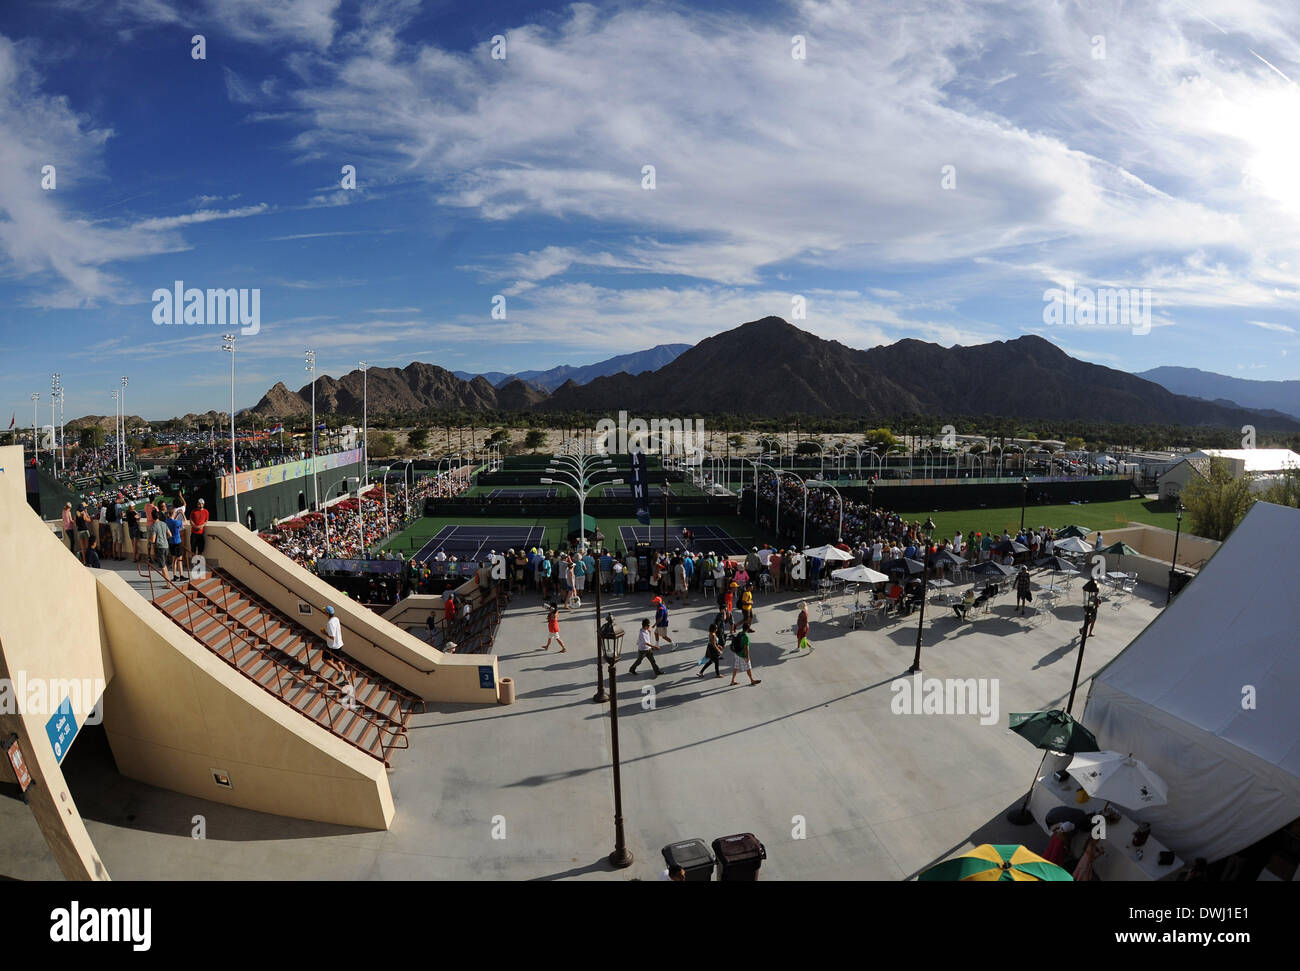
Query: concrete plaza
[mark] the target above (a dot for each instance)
(813, 760)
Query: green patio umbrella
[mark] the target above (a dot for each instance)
(1052, 731)
(1000, 862)
(1065, 532)
(1119, 549)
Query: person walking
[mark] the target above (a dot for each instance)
(332, 632)
(645, 648)
(161, 537)
(729, 605)
(740, 649)
(1023, 596)
(661, 620)
(679, 577)
(553, 628)
(712, 653)
(801, 628)
(747, 608)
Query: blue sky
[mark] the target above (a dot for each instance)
(1153, 146)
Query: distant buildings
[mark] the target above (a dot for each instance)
(1263, 465)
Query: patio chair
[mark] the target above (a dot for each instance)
(826, 611)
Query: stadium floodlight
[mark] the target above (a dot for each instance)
(315, 479)
(228, 345)
(36, 441)
(365, 441)
(122, 403)
(548, 481)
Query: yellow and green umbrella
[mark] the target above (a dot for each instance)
(996, 862)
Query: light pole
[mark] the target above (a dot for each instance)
(36, 441)
(122, 401)
(228, 345)
(117, 433)
(820, 484)
(365, 440)
(406, 486)
(611, 648)
(54, 400)
(920, 626)
(315, 479)
(1173, 564)
(1024, 498)
(871, 493)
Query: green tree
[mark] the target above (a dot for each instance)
(418, 439)
(500, 437)
(881, 438)
(1216, 505)
(1074, 443)
(535, 439)
(735, 441)
(1286, 491)
(385, 444)
(92, 436)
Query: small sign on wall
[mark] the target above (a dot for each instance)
(21, 773)
(304, 608)
(486, 679)
(62, 729)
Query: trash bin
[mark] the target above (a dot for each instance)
(739, 856)
(506, 691)
(693, 856)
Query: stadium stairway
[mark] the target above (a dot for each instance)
(286, 660)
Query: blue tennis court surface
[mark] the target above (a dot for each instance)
(475, 542)
(625, 492)
(523, 492)
(708, 539)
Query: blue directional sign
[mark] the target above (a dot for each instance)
(485, 678)
(62, 729)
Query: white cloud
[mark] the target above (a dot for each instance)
(202, 216)
(1266, 325)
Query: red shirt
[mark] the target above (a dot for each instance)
(198, 519)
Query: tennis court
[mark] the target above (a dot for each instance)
(708, 538)
(625, 492)
(522, 492)
(474, 542)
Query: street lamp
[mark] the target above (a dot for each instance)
(611, 645)
(920, 625)
(228, 345)
(820, 484)
(1024, 498)
(1173, 564)
(55, 392)
(36, 440)
(871, 493)
(117, 433)
(315, 479)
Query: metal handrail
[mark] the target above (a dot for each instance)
(372, 643)
(280, 670)
(351, 670)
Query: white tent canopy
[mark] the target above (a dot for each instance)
(859, 574)
(1206, 695)
(827, 553)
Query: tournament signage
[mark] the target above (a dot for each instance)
(62, 729)
(259, 478)
(639, 495)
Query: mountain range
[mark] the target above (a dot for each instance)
(770, 368)
(634, 363)
(1283, 396)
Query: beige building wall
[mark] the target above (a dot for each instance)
(50, 638)
(176, 713)
(367, 637)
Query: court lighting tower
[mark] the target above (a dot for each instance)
(228, 345)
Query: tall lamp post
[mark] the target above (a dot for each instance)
(122, 402)
(1024, 498)
(611, 643)
(310, 368)
(365, 440)
(871, 492)
(920, 625)
(55, 392)
(1173, 564)
(228, 345)
(117, 433)
(36, 439)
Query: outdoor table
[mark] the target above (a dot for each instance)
(940, 583)
(1120, 861)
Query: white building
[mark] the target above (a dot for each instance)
(1260, 463)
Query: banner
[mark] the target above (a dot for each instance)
(360, 566)
(258, 478)
(639, 494)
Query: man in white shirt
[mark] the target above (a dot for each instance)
(645, 648)
(956, 543)
(765, 554)
(333, 634)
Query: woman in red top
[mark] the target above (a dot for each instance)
(801, 627)
(729, 605)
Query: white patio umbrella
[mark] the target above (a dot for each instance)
(859, 574)
(1120, 779)
(1072, 544)
(827, 553)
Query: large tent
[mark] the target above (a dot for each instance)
(1206, 695)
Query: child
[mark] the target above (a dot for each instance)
(661, 620)
(553, 627)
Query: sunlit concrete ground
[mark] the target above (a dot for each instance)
(815, 747)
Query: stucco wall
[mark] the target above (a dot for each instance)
(175, 712)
